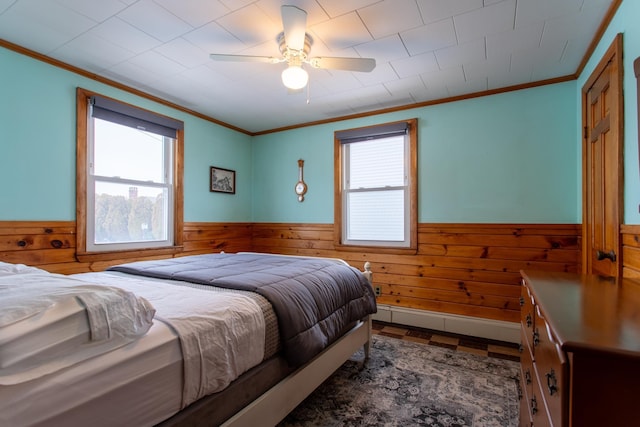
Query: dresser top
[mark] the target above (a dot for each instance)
(588, 312)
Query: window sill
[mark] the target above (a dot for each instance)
(128, 255)
(376, 249)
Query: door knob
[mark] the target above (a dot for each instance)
(600, 255)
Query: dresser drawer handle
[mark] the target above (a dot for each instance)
(534, 405)
(552, 382)
(521, 301)
(527, 377)
(521, 348)
(536, 338)
(520, 394)
(600, 255)
(529, 320)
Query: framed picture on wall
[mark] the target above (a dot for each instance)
(222, 180)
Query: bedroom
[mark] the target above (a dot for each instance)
(492, 177)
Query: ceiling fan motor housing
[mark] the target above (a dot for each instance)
(293, 56)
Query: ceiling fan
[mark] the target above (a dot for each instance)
(295, 44)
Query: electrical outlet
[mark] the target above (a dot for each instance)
(378, 291)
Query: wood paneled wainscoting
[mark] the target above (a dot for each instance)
(51, 245)
(463, 270)
(460, 271)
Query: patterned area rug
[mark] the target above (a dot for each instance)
(406, 384)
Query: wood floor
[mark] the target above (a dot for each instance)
(481, 346)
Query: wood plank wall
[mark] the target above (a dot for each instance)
(51, 244)
(468, 269)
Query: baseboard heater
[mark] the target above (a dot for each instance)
(465, 325)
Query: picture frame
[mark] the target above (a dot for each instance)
(222, 180)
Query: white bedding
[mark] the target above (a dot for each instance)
(32, 299)
(139, 384)
(221, 334)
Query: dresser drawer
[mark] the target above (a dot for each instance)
(526, 314)
(526, 365)
(551, 368)
(539, 415)
(525, 415)
(526, 381)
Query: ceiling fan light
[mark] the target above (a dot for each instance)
(294, 77)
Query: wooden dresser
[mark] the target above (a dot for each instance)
(580, 355)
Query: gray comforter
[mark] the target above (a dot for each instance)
(315, 299)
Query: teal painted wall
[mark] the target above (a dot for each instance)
(510, 157)
(625, 22)
(37, 147)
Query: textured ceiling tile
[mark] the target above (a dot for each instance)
(251, 25)
(194, 12)
(475, 86)
(95, 10)
(154, 20)
(461, 54)
(342, 32)
(157, 64)
(415, 65)
(406, 86)
(382, 73)
(273, 8)
(513, 40)
(42, 26)
(119, 32)
(481, 69)
(436, 10)
(213, 38)
(340, 7)
(449, 77)
(430, 37)
(390, 16)
(96, 52)
(532, 12)
(383, 50)
(488, 20)
(183, 52)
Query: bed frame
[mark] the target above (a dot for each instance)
(277, 402)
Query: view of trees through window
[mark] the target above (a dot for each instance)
(122, 219)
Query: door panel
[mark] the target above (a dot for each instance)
(602, 166)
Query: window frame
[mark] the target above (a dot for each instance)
(340, 222)
(82, 152)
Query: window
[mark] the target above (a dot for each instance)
(129, 177)
(376, 178)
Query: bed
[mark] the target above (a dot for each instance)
(216, 339)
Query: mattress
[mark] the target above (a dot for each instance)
(61, 328)
(139, 384)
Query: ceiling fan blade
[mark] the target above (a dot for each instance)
(294, 22)
(349, 64)
(244, 58)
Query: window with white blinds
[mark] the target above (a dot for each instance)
(376, 186)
